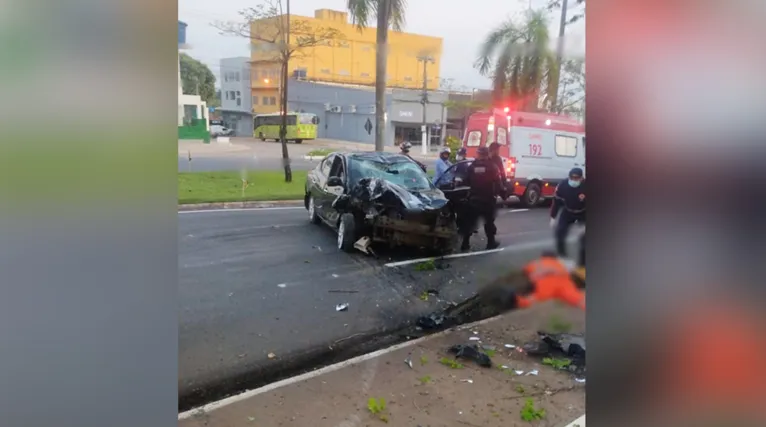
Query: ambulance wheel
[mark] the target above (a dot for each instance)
(531, 196)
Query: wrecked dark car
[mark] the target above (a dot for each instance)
(379, 197)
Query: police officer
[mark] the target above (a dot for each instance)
(568, 208)
(485, 184)
(405, 147)
(494, 155)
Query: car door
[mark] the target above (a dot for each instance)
(451, 182)
(317, 180)
(329, 194)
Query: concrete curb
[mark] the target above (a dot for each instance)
(313, 158)
(240, 205)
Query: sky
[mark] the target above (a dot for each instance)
(462, 28)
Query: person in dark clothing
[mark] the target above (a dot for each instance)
(568, 208)
(494, 155)
(405, 147)
(485, 184)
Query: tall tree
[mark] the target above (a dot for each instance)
(571, 99)
(197, 79)
(389, 14)
(278, 38)
(516, 55)
(569, 15)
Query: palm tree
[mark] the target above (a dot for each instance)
(389, 13)
(517, 56)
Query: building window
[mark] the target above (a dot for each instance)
(236, 76)
(273, 100)
(325, 71)
(239, 102)
(365, 74)
(265, 73)
(265, 100)
(232, 95)
(255, 100)
(273, 73)
(239, 94)
(344, 73)
(566, 146)
(226, 95)
(408, 79)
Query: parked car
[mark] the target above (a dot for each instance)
(383, 196)
(220, 130)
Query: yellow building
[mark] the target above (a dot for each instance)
(349, 59)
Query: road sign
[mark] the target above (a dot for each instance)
(368, 126)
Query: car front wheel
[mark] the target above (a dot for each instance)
(347, 232)
(313, 216)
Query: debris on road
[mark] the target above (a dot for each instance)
(472, 352)
(552, 346)
(474, 339)
(364, 245)
(510, 346)
(282, 285)
(469, 381)
(408, 361)
(272, 355)
(335, 276)
(342, 307)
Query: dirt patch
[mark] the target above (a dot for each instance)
(430, 393)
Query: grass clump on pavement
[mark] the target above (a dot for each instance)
(529, 413)
(319, 152)
(212, 187)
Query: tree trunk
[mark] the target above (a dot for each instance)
(283, 101)
(381, 55)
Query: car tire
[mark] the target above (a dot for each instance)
(299, 141)
(531, 196)
(347, 232)
(262, 138)
(313, 216)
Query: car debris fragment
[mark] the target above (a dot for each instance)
(472, 352)
(342, 307)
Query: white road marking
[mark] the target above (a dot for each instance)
(517, 210)
(280, 208)
(538, 244)
(417, 260)
(313, 374)
(580, 422)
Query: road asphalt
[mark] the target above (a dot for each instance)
(257, 155)
(259, 287)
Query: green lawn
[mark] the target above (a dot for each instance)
(208, 187)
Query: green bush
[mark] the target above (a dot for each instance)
(454, 144)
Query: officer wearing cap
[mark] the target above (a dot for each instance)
(485, 182)
(568, 208)
(442, 163)
(405, 147)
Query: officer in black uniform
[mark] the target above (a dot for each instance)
(494, 155)
(485, 182)
(568, 208)
(405, 147)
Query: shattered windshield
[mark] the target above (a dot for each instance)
(404, 173)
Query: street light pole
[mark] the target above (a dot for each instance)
(424, 101)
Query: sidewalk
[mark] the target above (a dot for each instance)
(360, 146)
(428, 394)
(199, 148)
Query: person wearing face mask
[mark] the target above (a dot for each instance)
(568, 208)
(442, 163)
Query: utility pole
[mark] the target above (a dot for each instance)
(424, 101)
(560, 53)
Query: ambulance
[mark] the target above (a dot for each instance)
(538, 149)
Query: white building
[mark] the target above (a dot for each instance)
(236, 102)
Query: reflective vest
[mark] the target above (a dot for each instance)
(551, 279)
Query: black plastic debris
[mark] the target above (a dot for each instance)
(472, 352)
(433, 321)
(570, 346)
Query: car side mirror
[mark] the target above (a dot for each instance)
(334, 181)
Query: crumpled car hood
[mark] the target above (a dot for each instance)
(371, 192)
(387, 193)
